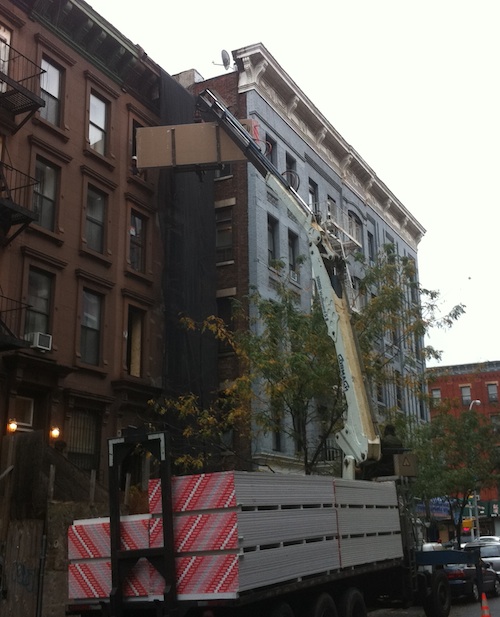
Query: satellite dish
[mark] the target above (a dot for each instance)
(226, 59)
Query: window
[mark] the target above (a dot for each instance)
(355, 228)
(45, 193)
(95, 218)
(495, 422)
(137, 242)
(23, 413)
(272, 240)
(5, 36)
(90, 336)
(435, 397)
(371, 247)
(39, 302)
(271, 150)
(50, 84)
(291, 174)
(465, 395)
(492, 392)
(98, 123)
(134, 341)
(224, 234)
(313, 196)
(293, 242)
(83, 439)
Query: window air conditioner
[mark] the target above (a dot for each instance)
(40, 340)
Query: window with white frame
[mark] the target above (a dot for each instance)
(98, 123)
(355, 228)
(465, 395)
(23, 413)
(492, 392)
(435, 396)
(50, 90)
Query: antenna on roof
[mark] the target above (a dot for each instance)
(226, 60)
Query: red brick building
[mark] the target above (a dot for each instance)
(461, 386)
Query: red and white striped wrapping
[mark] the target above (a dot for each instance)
(90, 538)
(92, 579)
(199, 492)
(201, 577)
(213, 531)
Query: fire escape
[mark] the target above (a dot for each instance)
(19, 100)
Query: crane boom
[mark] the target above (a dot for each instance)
(359, 438)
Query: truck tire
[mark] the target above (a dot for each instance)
(438, 602)
(323, 606)
(352, 604)
(283, 609)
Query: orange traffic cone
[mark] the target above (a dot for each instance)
(485, 610)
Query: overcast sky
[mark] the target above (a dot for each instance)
(412, 86)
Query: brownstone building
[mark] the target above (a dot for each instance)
(97, 260)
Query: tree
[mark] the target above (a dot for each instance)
(396, 308)
(456, 456)
(289, 382)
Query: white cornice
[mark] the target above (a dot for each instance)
(258, 70)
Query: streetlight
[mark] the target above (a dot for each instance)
(477, 533)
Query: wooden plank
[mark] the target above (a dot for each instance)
(21, 570)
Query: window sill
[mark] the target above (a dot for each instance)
(106, 261)
(90, 368)
(140, 276)
(229, 262)
(141, 182)
(103, 160)
(51, 128)
(51, 236)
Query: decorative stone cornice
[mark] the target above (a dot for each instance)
(258, 70)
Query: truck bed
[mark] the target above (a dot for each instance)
(235, 532)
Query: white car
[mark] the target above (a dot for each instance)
(489, 539)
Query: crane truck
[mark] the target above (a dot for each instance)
(256, 543)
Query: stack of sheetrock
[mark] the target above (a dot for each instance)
(236, 531)
(369, 525)
(89, 573)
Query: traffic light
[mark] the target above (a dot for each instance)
(467, 524)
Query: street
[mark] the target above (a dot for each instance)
(459, 608)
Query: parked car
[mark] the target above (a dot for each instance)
(464, 584)
(489, 539)
(489, 551)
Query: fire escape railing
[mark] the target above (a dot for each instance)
(19, 83)
(16, 202)
(12, 315)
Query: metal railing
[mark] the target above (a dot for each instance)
(12, 315)
(16, 187)
(15, 67)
